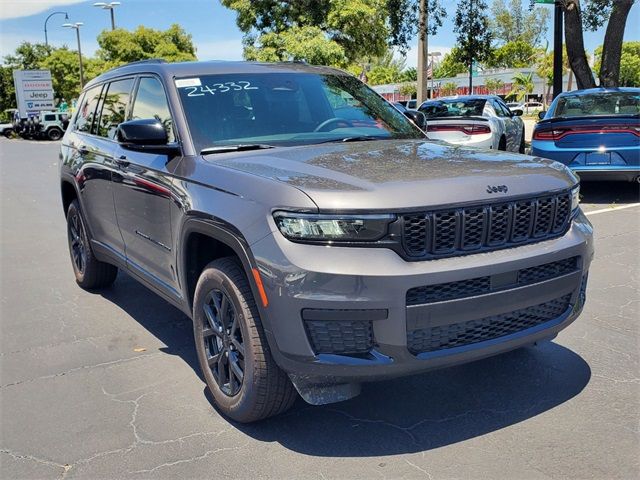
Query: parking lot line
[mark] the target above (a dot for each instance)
(611, 209)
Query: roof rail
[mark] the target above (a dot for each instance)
(149, 60)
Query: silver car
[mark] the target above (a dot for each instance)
(482, 121)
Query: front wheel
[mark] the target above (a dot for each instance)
(234, 356)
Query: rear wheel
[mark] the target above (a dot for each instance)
(90, 273)
(521, 150)
(54, 134)
(240, 372)
(502, 144)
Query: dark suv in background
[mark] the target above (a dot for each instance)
(314, 235)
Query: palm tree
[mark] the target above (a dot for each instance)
(449, 88)
(522, 86)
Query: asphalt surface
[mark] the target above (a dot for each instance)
(106, 385)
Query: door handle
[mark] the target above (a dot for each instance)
(122, 161)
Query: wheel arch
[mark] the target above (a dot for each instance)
(204, 240)
(68, 193)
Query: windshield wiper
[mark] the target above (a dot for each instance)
(358, 138)
(235, 148)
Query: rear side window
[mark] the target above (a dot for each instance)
(49, 118)
(114, 107)
(87, 111)
(151, 102)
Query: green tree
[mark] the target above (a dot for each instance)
(404, 20)
(449, 88)
(522, 86)
(65, 72)
(515, 54)
(298, 43)
(471, 25)
(122, 46)
(629, 64)
(511, 21)
(493, 85)
(450, 65)
(7, 92)
(351, 29)
(409, 75)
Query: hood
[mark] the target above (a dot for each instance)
(398, 174)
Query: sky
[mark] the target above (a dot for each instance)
(212, 26)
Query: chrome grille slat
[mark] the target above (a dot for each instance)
(459, 231)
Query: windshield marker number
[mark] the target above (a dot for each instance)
(201, 91)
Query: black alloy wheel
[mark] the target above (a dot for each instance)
(76, 242)
(223, 342)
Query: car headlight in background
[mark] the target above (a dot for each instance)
(332, 228)
(575, 199)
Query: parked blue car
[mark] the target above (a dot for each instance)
(595, 132)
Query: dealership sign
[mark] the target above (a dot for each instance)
(34, 90)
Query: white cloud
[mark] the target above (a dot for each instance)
(412, 54)
(220, 50)
(25, 8)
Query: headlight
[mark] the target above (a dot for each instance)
(575, 199)
(332, 228)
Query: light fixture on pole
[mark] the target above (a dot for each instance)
(77, 26)
(109, 6)
(46, 38)
(432, 68)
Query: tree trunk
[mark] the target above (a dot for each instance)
(575, 45)
(612, 48)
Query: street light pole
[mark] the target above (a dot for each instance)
(77, 26)
(109, 6)
(46, 38)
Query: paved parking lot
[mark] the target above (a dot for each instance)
(106, 385)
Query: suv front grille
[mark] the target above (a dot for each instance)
(457, 231)
(482, 285)
(487, 328)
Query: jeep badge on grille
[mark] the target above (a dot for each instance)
(497, 188)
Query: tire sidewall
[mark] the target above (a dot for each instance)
(242, 403)
(74, 210)
(56, 132)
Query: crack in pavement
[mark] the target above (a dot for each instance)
(20, 456)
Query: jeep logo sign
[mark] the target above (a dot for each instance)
(497, 189)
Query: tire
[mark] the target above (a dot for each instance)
(521, 149)
(90, 273)
(502, 144)
(8, 132)
(240, 345)
(54, 134)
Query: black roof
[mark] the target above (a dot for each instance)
(190, 69)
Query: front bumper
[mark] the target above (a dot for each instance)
(374, 281)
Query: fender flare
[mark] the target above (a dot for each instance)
(224, 233)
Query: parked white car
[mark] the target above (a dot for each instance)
(482, 121)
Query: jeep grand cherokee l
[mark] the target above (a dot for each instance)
(315, 236)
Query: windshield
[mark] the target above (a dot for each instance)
(602, 103)
(453, 108)
(286, 109)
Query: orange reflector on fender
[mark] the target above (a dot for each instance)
(263, 295)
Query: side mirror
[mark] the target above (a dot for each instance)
(542, 114)
(417, 117)
(145, 135)
(517, 112)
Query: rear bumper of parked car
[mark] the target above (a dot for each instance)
(484, 140)
(321, 298)
(625, 164)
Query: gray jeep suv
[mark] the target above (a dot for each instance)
(315, 236)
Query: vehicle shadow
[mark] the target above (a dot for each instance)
(404, 415)
(609, 193)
